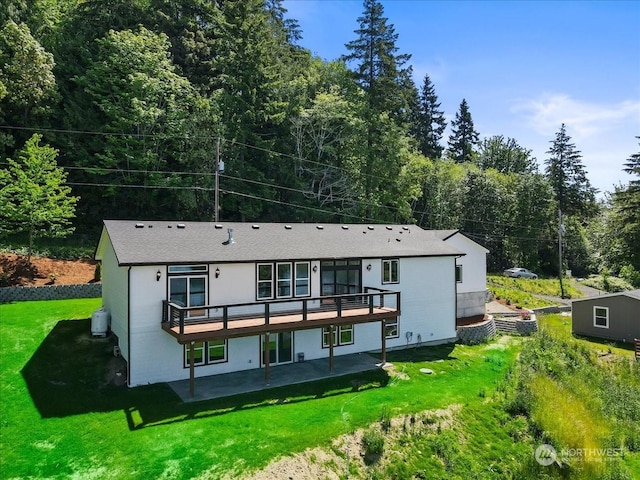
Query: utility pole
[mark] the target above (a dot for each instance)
(217, 189)
(560, 231)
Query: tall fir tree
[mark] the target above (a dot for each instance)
(379, 71)
(568, 177)
(378, 67)
(430, 122)
(626, 202)
(463, 136)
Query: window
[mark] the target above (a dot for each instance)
(302, 279)
(458, 273)
(342, 335)
(391, 329)
(601, 317)
(206, 353)
(284, 279)
(188, 290)
(265, 280)
(291, 279)
(390, 271)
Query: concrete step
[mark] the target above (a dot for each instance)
(506, 326)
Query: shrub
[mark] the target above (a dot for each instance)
(373, 442)
(97, 274)
(612, 284)
(631, 275)
(385, 418)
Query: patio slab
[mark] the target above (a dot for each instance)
(228, 384)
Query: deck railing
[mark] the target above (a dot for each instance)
(300, 308)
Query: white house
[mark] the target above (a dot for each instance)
(195, 299)
(471, 274)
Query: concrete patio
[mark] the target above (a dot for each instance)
(228, 384)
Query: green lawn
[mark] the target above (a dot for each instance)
(60, 419)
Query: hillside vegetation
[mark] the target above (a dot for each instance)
(138, 101)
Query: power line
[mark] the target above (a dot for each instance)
(230, 192)
(431, 215)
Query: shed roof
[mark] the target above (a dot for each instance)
(635, 294)
(163, 242)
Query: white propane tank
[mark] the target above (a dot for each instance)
(100, 323)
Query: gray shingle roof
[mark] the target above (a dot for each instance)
(162, 242)
(627, 293)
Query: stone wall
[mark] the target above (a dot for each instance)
(527, 327)
(50, 292)
(476, 333)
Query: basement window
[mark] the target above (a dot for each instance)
(206, 353)
(342, 335)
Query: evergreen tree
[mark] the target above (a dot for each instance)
(463, 136)
(626, 203)
(568, 177)
(430, 122)
(379, 71)
(33, 195)
(378, 68)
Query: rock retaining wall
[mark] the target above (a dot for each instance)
(476, 333)
(50, 292)
(527, 327)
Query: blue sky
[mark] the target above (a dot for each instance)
(524, 67)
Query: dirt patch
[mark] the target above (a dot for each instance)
(15, 271)
(346, 456)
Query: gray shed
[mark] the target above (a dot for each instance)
(614, 316)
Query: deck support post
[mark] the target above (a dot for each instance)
(330, 348)
(383, 335)
(192, 367)
(266, 346)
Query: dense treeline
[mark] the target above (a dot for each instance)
(139, 96)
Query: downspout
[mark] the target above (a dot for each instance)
(129, 327)
(455, 285)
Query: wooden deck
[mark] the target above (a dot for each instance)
(243, 327)
(382, 305)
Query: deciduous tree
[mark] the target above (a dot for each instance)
(28, 82)
(505, 156)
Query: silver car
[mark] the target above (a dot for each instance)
(519, 273)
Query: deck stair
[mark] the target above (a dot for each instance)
(637, 350)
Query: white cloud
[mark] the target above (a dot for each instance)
(584, 120)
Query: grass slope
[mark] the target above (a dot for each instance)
(60, 419)
(529, 293)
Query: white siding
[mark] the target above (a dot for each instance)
(428, 312)
(115, 296)
(472, 291)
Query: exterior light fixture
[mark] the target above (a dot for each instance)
(217, 272)
(158, 275)
(369, 267)
(315, 268)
